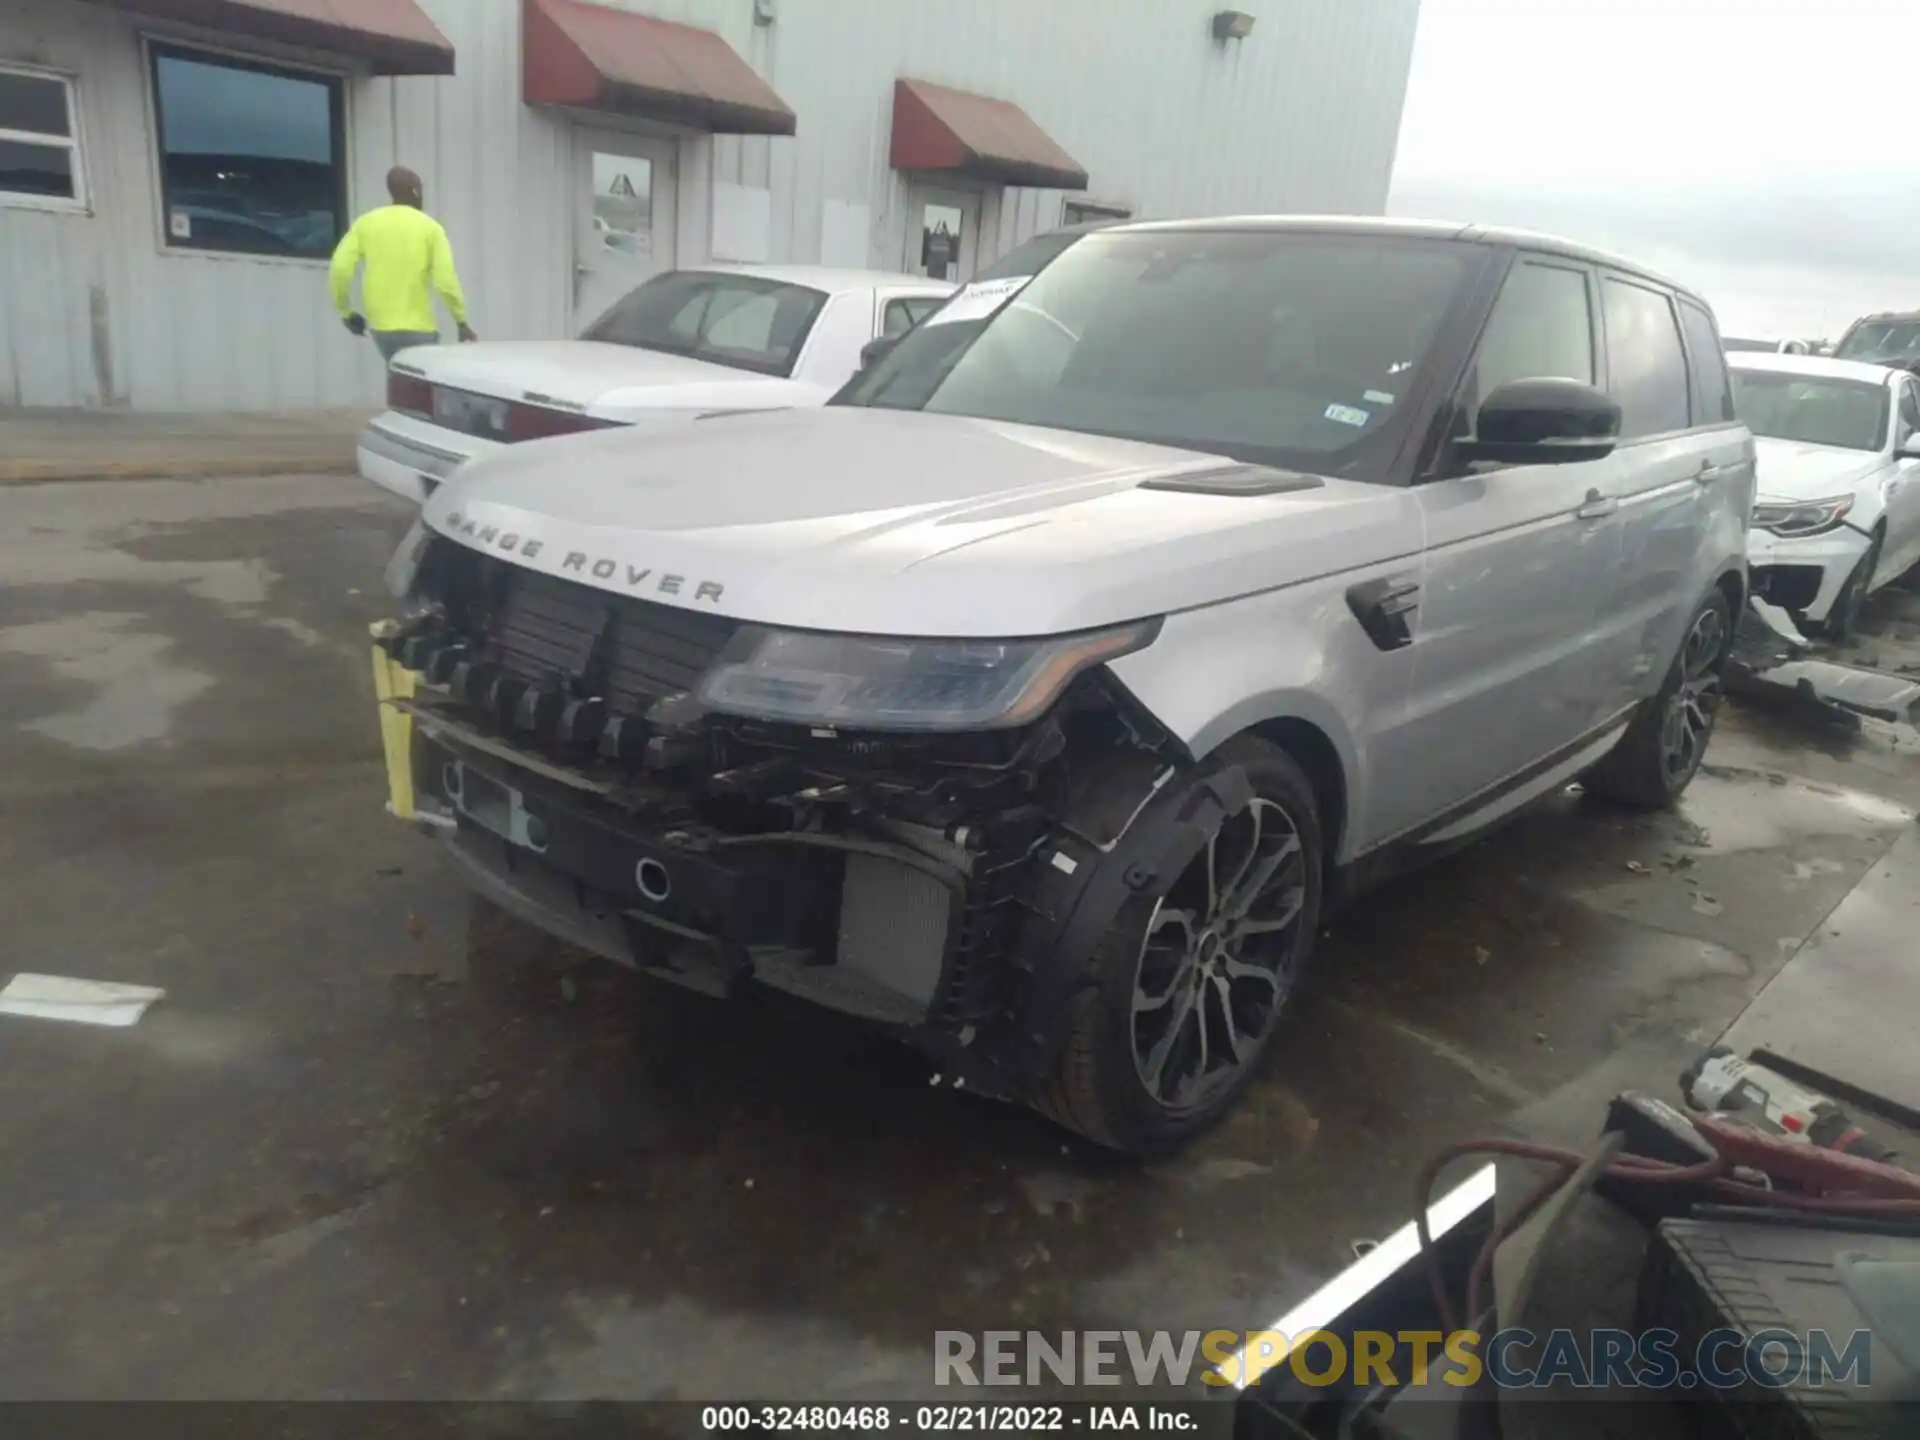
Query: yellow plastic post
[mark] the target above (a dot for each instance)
(392, 681)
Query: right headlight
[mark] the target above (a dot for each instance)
(1792, 522)
(876, 682)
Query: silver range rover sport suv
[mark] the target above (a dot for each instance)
(1036, 698)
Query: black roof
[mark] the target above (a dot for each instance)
(1412, 230)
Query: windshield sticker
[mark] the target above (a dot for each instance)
(977, 301)
(1347, 414)
(1377, 397)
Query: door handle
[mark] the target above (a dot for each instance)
(1708, 472)
(1597, 506)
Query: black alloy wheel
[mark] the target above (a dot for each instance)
(1688, 720)
(1187, 987)
(1217, 959)
(1660, 751)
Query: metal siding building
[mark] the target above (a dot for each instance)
(99, 306)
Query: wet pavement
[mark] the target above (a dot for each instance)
(358, 1152)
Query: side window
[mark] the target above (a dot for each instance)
(253, 157)
(900, 316)
(1541, 326)
(1646, 367)
(1909, 413)
(39, 151)
(1712, 391)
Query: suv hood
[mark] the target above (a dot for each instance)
(610, 381)
(1794, 470)
(902, 523)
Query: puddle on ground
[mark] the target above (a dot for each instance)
(1753, 810)
(678, 1349)
(136, 688)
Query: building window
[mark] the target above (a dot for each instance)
(1092, 212)
(39, 141)
(252, 157)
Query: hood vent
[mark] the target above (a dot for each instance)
(1242, 480)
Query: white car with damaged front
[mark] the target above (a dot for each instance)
(1837, 514)
(685, 343)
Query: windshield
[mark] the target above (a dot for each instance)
(738, 320)
(1814, 410)
(1880, 340)
(1031, 256)
(1277, 348)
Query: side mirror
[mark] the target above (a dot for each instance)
(1543, 422)
(876, 350)
(1909, 448)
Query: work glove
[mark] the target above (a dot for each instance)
(467, 337)
(356, 323)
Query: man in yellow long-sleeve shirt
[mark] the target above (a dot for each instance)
(407, 259)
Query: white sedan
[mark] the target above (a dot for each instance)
(684, 344)
(1837, 445)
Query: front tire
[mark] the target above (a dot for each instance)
(1190, 980)
(1844, 618)
(1662, 749)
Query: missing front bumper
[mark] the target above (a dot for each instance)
(857, 924)
(847, 874)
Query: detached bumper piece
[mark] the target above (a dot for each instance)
(1772, 661)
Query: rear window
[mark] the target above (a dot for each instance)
(1880, 340)
(1812, 409)
(1646, 366)
(738, 320)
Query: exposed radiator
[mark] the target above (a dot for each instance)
(633, 652)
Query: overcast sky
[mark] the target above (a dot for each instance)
(1766, 152)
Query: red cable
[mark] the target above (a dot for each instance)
(1638, 1169)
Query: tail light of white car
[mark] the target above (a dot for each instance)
(1793, 522)
(538, 422)
(487, 416)
(409, 394)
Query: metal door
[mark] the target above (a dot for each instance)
(1506, 616)
(1503, 664)
(623, 217)
(943, 232)
(1677, 470)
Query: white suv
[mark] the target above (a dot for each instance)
(1037, 696)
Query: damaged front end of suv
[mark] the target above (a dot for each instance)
(935, 836)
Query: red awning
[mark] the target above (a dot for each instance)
(957, 132)
(394, 35)
(595, 58)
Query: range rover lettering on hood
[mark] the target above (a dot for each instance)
(637, 578)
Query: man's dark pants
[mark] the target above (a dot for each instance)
(392, 342)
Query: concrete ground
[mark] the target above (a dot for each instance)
(345, 1158)
(39, 445)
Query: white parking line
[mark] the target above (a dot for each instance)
(1331, 1300)
(82, 1002)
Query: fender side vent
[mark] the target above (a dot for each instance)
(1242, 480)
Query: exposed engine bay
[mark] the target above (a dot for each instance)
(950, 885)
